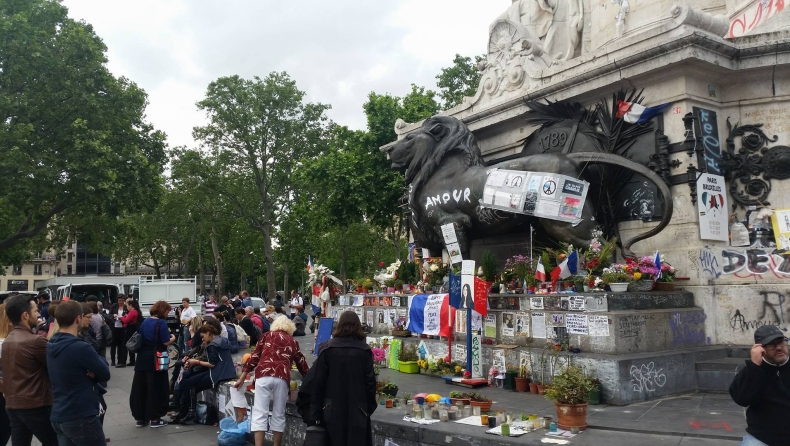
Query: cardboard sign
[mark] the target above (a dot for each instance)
(324, 334)
(713, 208)
(477, 361)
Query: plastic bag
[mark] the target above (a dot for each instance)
(232, 433)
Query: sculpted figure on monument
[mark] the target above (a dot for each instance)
(556, 24)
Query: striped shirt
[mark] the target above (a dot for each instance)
(210, 307)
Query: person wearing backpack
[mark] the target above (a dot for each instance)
(233, 339)
(249, 327)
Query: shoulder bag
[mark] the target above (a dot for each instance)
(106, 333)
(135, 342)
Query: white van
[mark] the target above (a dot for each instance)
(107, 293)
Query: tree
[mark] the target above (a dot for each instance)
(259, 129)
(74, 142)
(459, 81)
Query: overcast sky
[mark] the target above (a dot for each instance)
(337, 51)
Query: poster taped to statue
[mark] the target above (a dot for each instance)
(540, 194)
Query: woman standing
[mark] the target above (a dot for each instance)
(130, 322)
(218, 367)
(96, 323)
(5, 423)
(150, 389)
(344, 395)
(271, 361)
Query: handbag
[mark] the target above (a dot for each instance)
(135, 342)
(162, 358)
(106, 333)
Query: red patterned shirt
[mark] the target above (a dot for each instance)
(273, 356)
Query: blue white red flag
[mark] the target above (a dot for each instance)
(658, 264)
(430, 314)
(540, 271)
(566, 268)
(635, 113)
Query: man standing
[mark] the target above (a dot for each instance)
(75, 370)
(26, 385)
(764, 387)
(186, 314)
(43, 305)
(249, 327)
(210, 305)
(296, 302)
(118, 345)
(245, 299)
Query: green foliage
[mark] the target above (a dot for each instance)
(76, 151)
(570, 386)
(408, 353)
(488, 263)
(407, 272)
(459, 80)
(616, 277)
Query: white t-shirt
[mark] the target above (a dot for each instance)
(295, 301)
(118, 322)
(188, 314)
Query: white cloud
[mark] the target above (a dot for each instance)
(337, 51)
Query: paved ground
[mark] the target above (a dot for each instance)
(690, 420)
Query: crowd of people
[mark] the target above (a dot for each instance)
(54, 367)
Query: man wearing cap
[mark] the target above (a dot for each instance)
(764, 387)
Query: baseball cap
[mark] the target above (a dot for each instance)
(767, 334)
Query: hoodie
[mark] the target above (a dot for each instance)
(218, 353)
(765, 390)
(74, 394)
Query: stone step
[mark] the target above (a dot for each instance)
(743, 352)
(716, 375)
(721, 364)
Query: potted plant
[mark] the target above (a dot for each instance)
(542, 363)
(459, 397)
(521, 267)
(488, 265)
(511, 372)
(389, 389)
(595, 393)
(479, 400)
(569, 390)
(407, 360)
(617, 280)
(533, 385)
(406, 398)
(667, 280)
(522, 380)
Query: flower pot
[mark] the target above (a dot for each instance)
(541, 389)
(408, 367)
(510, 380)
(485, 406)
(533, 388)
(586, 288)
(665, 286)
(364, 290)
(390, 289)
(618, 287)
(392, 392)
(464, 401)
(594, 396)
(571, 415)
(640, 285)
(522, 384)
(388, 404)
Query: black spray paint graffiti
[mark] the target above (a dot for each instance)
(771, 313)
(688, 328)
(750, 262)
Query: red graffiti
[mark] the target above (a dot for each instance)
(721, 425)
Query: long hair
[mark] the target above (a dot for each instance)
(5, 324)
(349, 326)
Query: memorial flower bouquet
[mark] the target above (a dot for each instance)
(642, 269)
(597, 255)
(436, 272)
(668, 272)
(617, 274)
(520, 266)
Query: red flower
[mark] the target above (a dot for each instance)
(381, 264)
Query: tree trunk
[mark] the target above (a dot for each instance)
(285, 278)
(271, 279)
(220, 284)
(157, 266)
(396, 238)
(201, 274)
(189, 251)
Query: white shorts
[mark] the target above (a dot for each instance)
(269, 388)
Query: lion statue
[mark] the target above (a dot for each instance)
(445, 173)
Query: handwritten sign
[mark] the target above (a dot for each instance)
(460, 353)
(468, 267)
(576, 323)
(448, 232)
(576, 303)
(490, 326)
(477, 352)
(433, 310)
(539, 325)
(598, 325)
(536, 303)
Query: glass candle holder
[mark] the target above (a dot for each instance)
(476, 411)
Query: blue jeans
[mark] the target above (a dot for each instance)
(80, 432)
(748, 440)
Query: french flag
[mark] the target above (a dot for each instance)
(566, 268)
(309, 264)
(540, 271)
(634, 113)
(657, 261)
(430, 314)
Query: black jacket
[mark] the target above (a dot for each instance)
(344, 394)
(765, 390)
(248, 326)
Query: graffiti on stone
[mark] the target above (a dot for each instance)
(688, 328)
(646, 378)
(771, 311)
(756, 261)
(709, 264)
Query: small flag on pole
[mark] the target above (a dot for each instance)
(540, 271)
(566, 268)
(658, 264)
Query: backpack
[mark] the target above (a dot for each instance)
(206, 413)
(232, 338)
(258, 331)
(241, 335)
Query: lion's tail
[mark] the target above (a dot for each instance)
(619, 161)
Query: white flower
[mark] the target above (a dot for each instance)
(434, 267)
